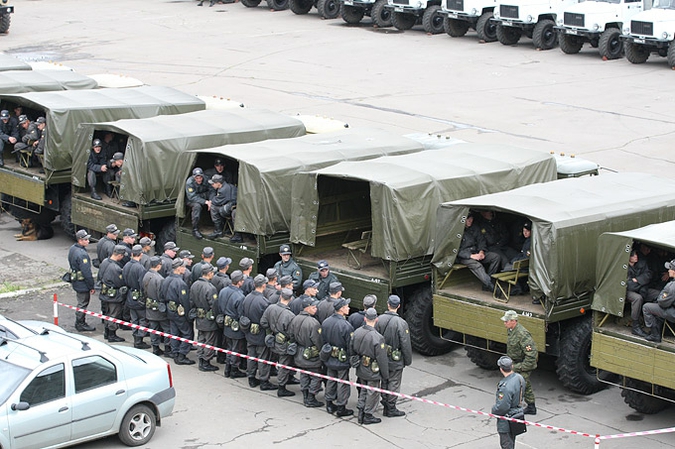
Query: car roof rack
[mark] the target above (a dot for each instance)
(85, 345)
(43, 355)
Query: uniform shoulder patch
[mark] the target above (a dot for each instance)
(85, 260)
(500, 395)
(528, 348)
(319, 330)
(183, 292)
(215, 296)
(407, 331)
(297, 272)
(382, 346)
(190, 189)
(120, 276)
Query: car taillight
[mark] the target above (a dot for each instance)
(168, 369)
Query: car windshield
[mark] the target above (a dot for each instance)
(664, 4)
(11, 375)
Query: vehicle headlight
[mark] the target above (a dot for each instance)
(595, 27)
(664, 35)
(529, 19)
(419, 4)
(495, 14)
(559, 22)
(474, 12)
(626, 29)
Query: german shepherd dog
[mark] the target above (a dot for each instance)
(31, 231)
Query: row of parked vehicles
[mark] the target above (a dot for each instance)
(636, 28)
(386, 210)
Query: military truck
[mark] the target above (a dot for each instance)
(155, 150)
(5, 18)
(28, 193)
(651, 32)
(20, 81)
(645, 368)
(328, 9)
(9, 62)
(264, 173)
(353, 11)
(567, 217)
(598, 22)
(276, 5)
(461, 15)
(406, 13)
(533, 18)
(373, 221)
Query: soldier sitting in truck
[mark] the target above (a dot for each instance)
(9, 134)
(197, 194)
(97, 165)
(223, 203)
(496, 236)
(639, 276)
(219, 169)
(474, 254)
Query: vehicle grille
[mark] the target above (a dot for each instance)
(508, 11)
(455, 5)
(644, 28)
(402, 2)
(572, 19)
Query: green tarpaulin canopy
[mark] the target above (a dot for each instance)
(567, 217)
(19, 81)
(8, 62)
(65, 110)
(405, 191)
(155, 161)
(612, 264)
(267, 169)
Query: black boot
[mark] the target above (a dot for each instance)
(253, 382)
(106, 332)
(655, 334)
(181, 359)
(157, 351)
(237, 238)
(531, 409)
(330, 407)
(140, 344)
(637, 330)
(392, 412)
(227, 370)
(344, 411)
(168, 352)
(113, 338)
(218, 232)
(195, 232)
(370, 419)
(311, 401)
(95, 195)
(267, 386)
(304, 396)
(236, 373)
(360, 416)
(205, 365)
(283, 392)
(82, 326)
(200, 3)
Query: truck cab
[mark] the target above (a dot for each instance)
(651, 32)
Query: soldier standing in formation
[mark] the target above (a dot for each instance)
(112, 293)
(271, 289)
(288, 267)
(147, 244)
(252, 308)
(323, 277)
(306, 330)
(203, 296)
(221, 279)
(105, 245)
(81, 278)
(133, 274)
(174, 292)
(284, 282)
(521, 349)
(372, 366)
(337, 334)
(170, 251)
(246, 265)
(230, 301)
(207, 257)
(396, 335)
(326, 305)
(358, 319)
(509, 396)
(277, 318)
(155, 309)
(187, 257)
(309, 286)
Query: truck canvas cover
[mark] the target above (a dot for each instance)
(19, 81)
(8, 62)
(405, 191)
(65, 110)
(267, 169)
(567, 216)
(156, 146)
(612, 264)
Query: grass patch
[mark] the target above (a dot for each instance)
(6, 287)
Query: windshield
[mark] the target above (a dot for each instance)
(11, 376)
(609, 1)
(664, 4)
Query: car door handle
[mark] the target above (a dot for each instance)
(119, 392)
(63, 409)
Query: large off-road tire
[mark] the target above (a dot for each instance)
(544, 35)
(425, 337)
(300, 6)
(65, 210)
(610, 44)
(328, 9)
(671, 55)
(486, 28)
(166, 234)
(351, 14)
(573, 365)
(455, 27)
(250, 3)
(480, 357)
(570, 44)
(508, 35)
(636, 53)
(138, 426)
(642, 402)
(5, 21)
(432, 20)
(277, 5)
(381, 16)
(403, 21)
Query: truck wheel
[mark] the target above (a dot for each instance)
(65, 210)
(636, 53)
(480, 357)
(250, 3)
(544, 36)
(570, 44)
(508, 35)
(432, 20)
(138, 426)
(454, 27)
(381, 15)
(351, 14)
(300, 6)
(403, 21)
(328, 9)
(5, 20)
(642, 402)
(486, 28)
(166, 234)
(671, 54)
(424, 336)
(573, 365)
(277, 5)
(610, 45)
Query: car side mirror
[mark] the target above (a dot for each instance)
(21, 406)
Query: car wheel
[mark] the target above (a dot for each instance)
(381, 15)
(610, 44)
(570, 45)
(486, 28)
(138, 426)
(636, 53)
(455, 27)
(508, 35)
(403, 21)
(351, 14)
(544, 36)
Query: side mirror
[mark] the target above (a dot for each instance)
(21, 406)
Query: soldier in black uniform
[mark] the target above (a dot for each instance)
(246, 265)
(326, 305)
(203, 296)
(309, 286)
(187, 257)
(223, 202)
(396, 335)
(337, 334)
(496, 236)
(9, 133)
(81, 278)
(284, 282)
(288, 267)
(306, 331)
(147, 244)
(221, 279)
(128, 240)
(114, 171)
(170, 252)
(357, 319)
(174, 292)
(229, 305)
(277, 320)
(97, 164)
(113, 291)
(509, 396)
(133, 274)
(219, 169)
(253, 307)
(196, 198)
(155, 308)
(324, 277)
(207, 258)
(272, 287)
(369, 348)
(474, 254)
(105, 245)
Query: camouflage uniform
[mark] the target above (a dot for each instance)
(522, 350)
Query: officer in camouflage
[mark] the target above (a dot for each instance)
(521, 349)
(288, 267)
